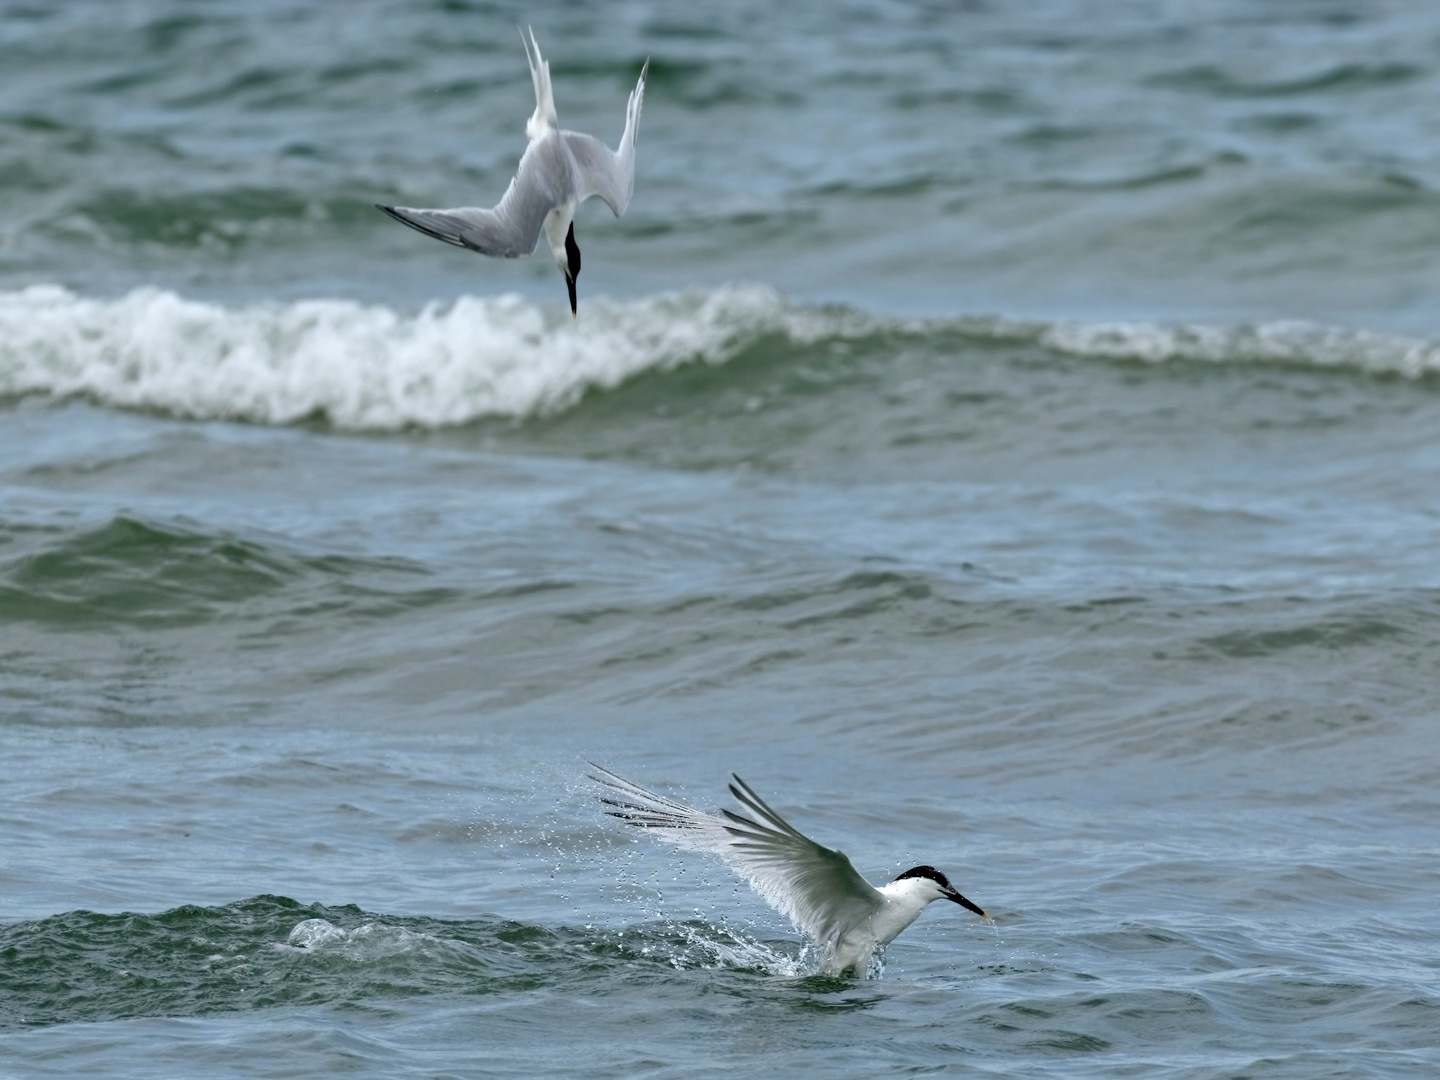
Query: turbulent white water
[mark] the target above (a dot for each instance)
(367, 366)
(372, 367)
(1282, 342)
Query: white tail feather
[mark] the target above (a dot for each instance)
(544, 115)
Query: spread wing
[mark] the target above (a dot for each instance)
(605, 172)
(816, 888)
(557, 168)
(512, 228)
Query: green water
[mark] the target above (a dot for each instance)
(1006, 437)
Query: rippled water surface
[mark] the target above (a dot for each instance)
(1004, 434)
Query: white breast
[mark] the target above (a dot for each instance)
(557, 224)
(904, 901)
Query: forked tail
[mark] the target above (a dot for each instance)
(544, 115)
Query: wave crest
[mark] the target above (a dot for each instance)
(365, 366)
(370, 367)
(1280, 342)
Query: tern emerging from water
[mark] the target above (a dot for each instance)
(816, 888)
(559, 171)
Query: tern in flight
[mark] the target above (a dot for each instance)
(815, 887)
(559, 171)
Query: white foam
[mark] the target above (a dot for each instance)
(1286, 342)
(313, 933)
(371, 367)
(370, 939)
(366, 366)
(722, 947)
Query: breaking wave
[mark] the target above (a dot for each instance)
(371, 367)
(366, 366)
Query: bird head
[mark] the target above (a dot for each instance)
(931, 884)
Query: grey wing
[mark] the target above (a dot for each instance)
(816, 888)
(683, 825)
(602, 172)
(512, 228)
(608, 173)
(468, 227)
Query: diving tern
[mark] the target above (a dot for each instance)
(816, 888)
(558, 172)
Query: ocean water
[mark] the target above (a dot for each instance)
(1007, 435)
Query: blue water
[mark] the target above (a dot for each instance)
(1006, 436)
